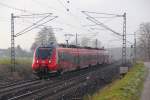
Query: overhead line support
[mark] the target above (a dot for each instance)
(13, 35)
(124, 40)
(99, 23)
(135, 47)
(123, 35)
(12, 44)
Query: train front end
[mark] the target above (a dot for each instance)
(44, 61)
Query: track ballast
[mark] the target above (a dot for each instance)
(72, 85)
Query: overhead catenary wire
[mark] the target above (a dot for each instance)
(104, 13)
(69, 13)
(63, 5)
(45, 5)
(34, 15)
(14, 8)
(13, 35)
(47, 26)
(97, 22)
(103, 25)
(35, 26)
(92, 19)
(106, 21)
(106, 17)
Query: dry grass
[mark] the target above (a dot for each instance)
(23, 68)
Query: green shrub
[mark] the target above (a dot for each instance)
(128, 88)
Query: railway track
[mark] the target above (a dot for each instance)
(55, 88)
(18, 91)
(41, 89)
(12, 91)
(78, 89)
(38, 94)
(13, 83)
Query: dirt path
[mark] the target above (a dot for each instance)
(146, 90)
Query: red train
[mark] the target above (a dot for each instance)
(53, 59)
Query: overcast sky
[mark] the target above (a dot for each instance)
(72, 21)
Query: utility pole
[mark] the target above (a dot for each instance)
(33, 26)
(67, 38)
(131, 53)
(123, 35)
(67, 43)
(12, 44)
(148, 47)
(96, 43)
(76, 39)
(124, 40)
(135, 47)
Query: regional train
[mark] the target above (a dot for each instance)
(60, 59)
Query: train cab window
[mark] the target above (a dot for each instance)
(43, 53)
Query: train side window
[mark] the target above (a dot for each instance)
(62, 55)
(59, 56)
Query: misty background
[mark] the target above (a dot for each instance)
(71, 21)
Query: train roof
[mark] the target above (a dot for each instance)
(69, 46)
(74, 46)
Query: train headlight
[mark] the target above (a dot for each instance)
(37, 61)
(49, 61)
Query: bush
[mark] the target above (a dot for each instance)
(128, 88)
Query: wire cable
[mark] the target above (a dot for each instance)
(103, 25)
(70, 14)
(35, 27)
(104, 13)
(33, 24)
(33, 15)
(63, 5)
(14, 8)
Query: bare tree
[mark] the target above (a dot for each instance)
(144, 40)
(95, 43)
(45, 37)
(85, 41)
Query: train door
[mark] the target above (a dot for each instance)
(63, 60)
(78, 59)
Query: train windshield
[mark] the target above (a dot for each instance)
(43, 53)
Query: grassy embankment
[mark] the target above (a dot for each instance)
(23, 68)
(128, 88)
